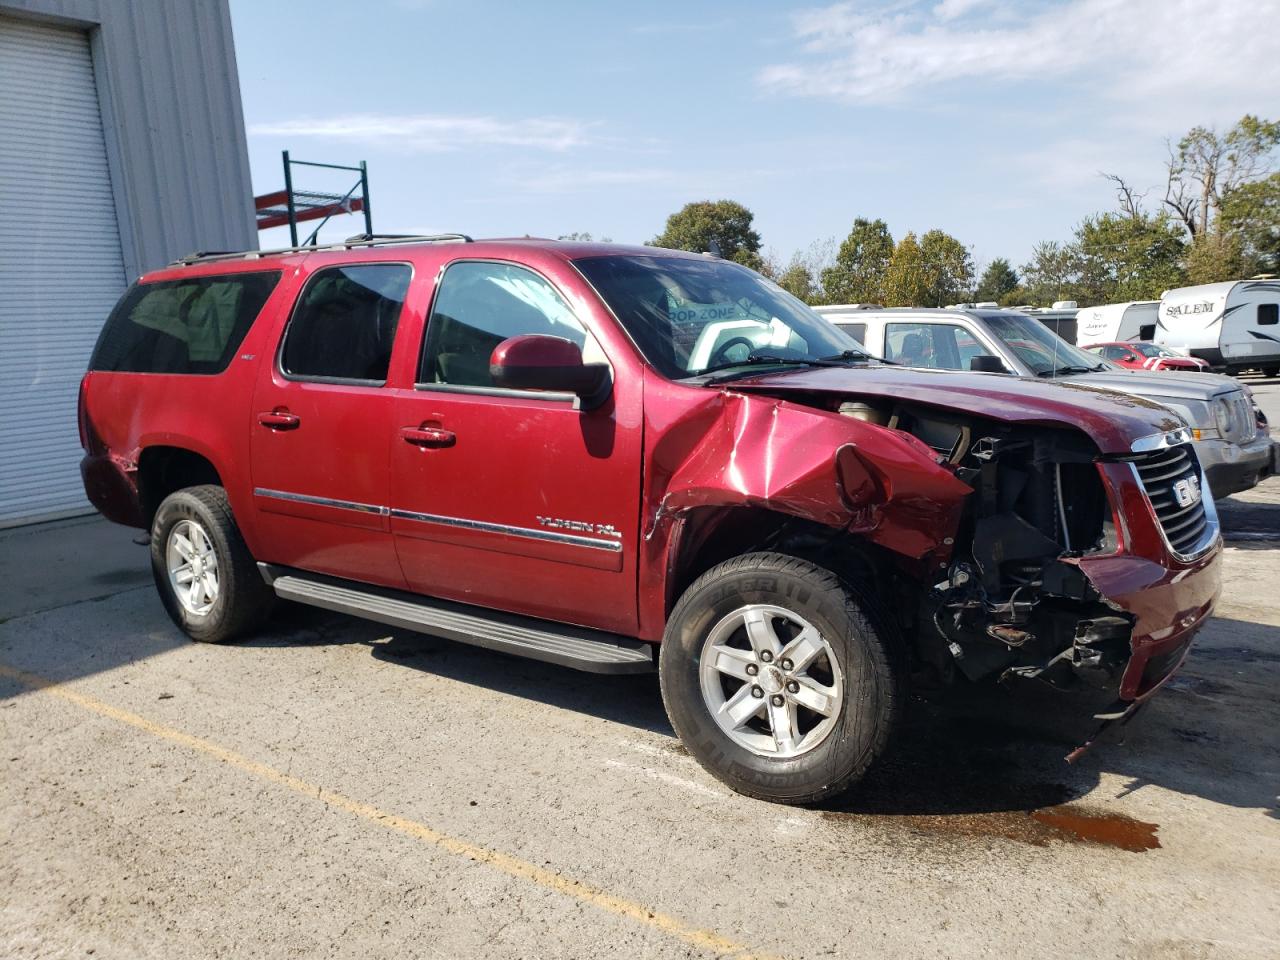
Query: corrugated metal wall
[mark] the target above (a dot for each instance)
(170, 98)
(60, 264)
(87, 205)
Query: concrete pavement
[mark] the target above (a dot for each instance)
(335, 788)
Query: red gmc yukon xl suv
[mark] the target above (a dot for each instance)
(616, 458)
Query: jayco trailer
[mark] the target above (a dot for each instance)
(1113, 322)
(1233, 325)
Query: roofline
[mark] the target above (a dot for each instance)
(360, 240)
(569, 250)
(853, 311)
(1223, 286)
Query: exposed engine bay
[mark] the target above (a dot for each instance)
(1010, 602)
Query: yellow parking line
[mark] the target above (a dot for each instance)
(512, 866)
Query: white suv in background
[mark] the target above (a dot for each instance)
(1234, 442)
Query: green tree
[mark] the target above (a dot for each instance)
(1016, 297)
(1216, 256)
(857, 276)
(725, 222)
(1223, 190)
(906, 279)
(1251, 214)
(948, 268)
(1052, 273)
(1206, 167)
(1134, 257)
(1112, 257)
(798, 281)
(997, 280)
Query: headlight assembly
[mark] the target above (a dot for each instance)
(1222, 416)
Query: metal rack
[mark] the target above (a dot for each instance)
(293, 206)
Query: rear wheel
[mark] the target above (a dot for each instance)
(1271, 372)
(207, 579)
(777, 681)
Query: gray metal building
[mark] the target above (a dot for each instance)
(122, 146)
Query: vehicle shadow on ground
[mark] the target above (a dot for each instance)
(630, 700)
(988, 750)
(1246, 521)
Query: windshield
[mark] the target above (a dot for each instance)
(689, 316)
(1151, 350)
(1039, 347)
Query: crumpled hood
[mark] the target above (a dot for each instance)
(1112, 419)
(1156, 383)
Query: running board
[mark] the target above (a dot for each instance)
(576, 647)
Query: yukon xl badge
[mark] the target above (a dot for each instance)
(1187, 491)
(581, 526)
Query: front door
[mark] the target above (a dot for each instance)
(514, 499)
(322, 424)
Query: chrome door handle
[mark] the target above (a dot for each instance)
(428, 436)
(279, 420)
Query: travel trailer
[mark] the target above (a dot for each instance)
(1061, 318)
(1233, 325)
(1113, 322)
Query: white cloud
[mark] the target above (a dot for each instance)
(953, 9)
(435, 133)
(1210, 56)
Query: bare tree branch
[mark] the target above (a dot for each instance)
(1175, 191)
(1129, 199)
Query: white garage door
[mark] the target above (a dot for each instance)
(60, 264)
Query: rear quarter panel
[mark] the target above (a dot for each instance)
(207, 414)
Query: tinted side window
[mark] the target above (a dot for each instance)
(477, 306)
(182, 326)
(1268, 313)
(968, 346)
(856, 330)
(345, 322)
(931, 345)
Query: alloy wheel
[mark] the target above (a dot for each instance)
(771, 681)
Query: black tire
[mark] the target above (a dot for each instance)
(1271, 372)
(244, 600)
(873, 692)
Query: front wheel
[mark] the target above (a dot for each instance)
(1271, 372)
(202, 567)
(777, 681)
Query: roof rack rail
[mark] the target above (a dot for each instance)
(359, 240)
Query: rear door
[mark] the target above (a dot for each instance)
(523, 502)
(321, 427)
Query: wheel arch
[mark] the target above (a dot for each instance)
(711, 535)
(165, 468)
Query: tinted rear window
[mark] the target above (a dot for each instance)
(192, 325)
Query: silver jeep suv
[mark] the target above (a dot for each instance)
(1233, 440)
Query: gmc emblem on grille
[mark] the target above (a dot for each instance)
(1187, 491)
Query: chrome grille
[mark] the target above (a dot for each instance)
(1161, 471)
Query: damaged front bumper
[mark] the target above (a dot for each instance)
(1168, 594)
(1117, 619)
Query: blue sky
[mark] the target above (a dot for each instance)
(989, 119)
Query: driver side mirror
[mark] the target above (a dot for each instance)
(986, 363)
(541, 362)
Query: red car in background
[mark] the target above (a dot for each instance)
(1145, 356)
